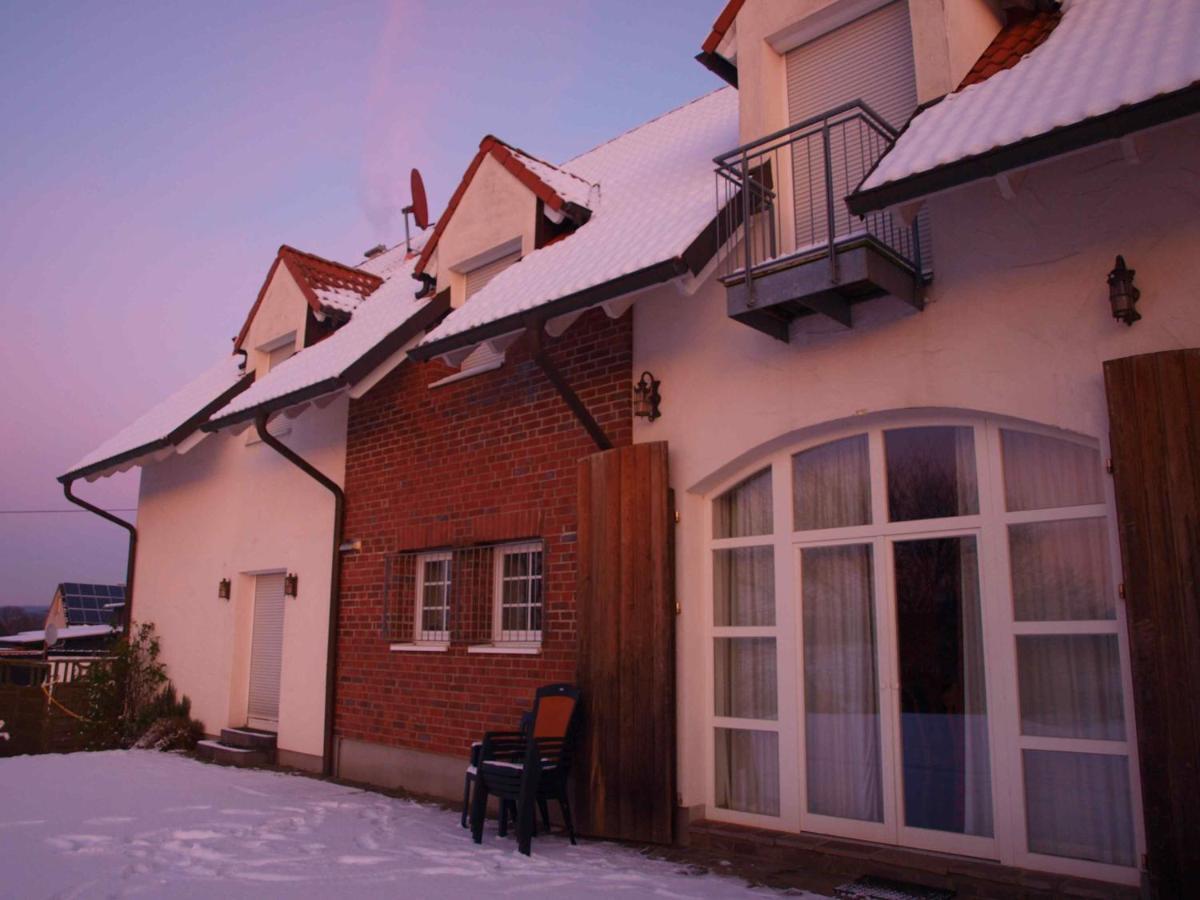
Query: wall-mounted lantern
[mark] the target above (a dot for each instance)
(223, 588)
(646, 397)
(290, 582)
(1122, 295)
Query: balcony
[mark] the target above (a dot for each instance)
(794, 248)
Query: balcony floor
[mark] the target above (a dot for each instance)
(807, 284)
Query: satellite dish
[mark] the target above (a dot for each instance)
(50, 638)
(420, 206)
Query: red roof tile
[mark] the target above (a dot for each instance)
(1023, 31)
(721, 25)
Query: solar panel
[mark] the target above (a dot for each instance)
(87, 604)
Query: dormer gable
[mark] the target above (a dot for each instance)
(507, 204)
(303, 299)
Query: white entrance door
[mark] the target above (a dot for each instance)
(266, 652)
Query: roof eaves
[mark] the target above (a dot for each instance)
(262, 292)
(424, 319)
(176, 435)
(634, 281)
(1065, 139)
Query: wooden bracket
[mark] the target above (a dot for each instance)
(564, 390)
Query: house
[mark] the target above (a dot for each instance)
(858, 493)
(237, 544)
(81, 618)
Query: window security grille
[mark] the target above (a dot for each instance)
(484, 594)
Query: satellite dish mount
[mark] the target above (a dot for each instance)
(419, 208)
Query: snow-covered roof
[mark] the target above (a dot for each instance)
(388, 314)
(165, 424)
(1104, 55)
(567, 185)
(67, 633)
(655, 198)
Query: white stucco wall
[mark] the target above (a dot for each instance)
(495, 209)
(1018, 324)
(228, 509)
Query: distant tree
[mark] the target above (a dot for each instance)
(18, 618)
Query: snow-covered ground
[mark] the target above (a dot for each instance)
(140, 823)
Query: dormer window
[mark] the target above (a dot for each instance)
(274, 352)
(479, 277)
(280, 353)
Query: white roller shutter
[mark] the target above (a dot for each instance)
(266, 652)
(869, 59)
(478, 278)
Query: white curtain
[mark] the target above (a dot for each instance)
(746, 678)
(748, 770)
(745, 509)
(1071, 686)
(1060, 571)
(841, 684)
(1043, 472)
(1077, 805)
(977, 771)
(744, 586)
(831, 485)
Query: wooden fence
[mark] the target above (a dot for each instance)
(41, 702)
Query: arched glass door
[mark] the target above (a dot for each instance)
(938, 598)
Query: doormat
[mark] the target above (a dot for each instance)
(871, 888)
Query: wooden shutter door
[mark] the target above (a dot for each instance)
(626, 626)
(266, 652)
(1154, 416)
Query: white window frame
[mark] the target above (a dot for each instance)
(420, 634)
(990, 526)
(527, 637)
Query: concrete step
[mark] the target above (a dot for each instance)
(248, 739)
(234, 756)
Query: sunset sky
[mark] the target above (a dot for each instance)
(156, 155)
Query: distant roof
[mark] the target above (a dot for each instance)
(327, 286)
(555, 187)
(68, 633)
(1107, 69)
(654, 201)
(165, 424)
(90, 604)
(386, 321)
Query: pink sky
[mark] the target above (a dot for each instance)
(155, 158)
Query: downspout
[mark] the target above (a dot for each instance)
(131, 558)
(335, 571)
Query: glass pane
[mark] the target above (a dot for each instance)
(744, 586)
(931, 472)
(841, 683)
(1077, 805)
(1060, 571)
(745, 678)
(1071, 686)
(831, 485)
(745, 509)
(1043, 472)
(943, 702)
(747, 764)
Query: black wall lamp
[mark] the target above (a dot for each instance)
(290, 583)
(1122, 295)
(223, 588)
(646, 397)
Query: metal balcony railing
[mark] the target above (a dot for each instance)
(781, 198)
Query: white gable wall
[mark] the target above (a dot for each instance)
(495, 209)
(1018, 324)
(229, 509)
(283, 311)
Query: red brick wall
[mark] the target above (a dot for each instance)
(489, 458)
